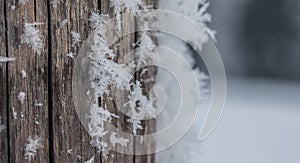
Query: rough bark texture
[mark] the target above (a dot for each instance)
(49, 81)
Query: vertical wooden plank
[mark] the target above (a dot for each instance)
(71, 140)
(148, 125)
(3, 93)
(26, 119)
(124, 48)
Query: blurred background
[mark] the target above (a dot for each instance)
(258, 38)
(259, 41)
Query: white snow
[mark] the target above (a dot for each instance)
(75, 38)
(54, 3)
(21, 97)
(24, 74)
(6, 59)
(115, 140)
(90, 160)
(31, 147)
(32, 37)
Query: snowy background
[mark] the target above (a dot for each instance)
(259, 43)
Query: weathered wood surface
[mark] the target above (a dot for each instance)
(30, 119)
(49, 81)
(3, 87)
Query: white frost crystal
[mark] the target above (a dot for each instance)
(6, 59)
(105, 73)
(32, 37)
(24, 74)
(54, 3)
(75, 38)
(115, 140)
(140, 107)
(31, 147)
(132, 6)
(21, 97)
(90, 160)
(71, 55)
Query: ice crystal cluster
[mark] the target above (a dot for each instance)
(31, 147)
(32, 37)
(195, 10)
(105, 73)
(132, 6)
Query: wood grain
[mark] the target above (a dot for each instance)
(71, 141)
(3, 87)
(49, 81)
(30, 119)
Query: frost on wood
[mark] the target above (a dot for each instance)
(133, 6)
(98, 117)
(15, 114)
(140, 107)
(32, 37)
(23, 1)
(62, 23)
(71, 55)
(75, 38)
(24, 74)
(21, 97)
(115, 140)
(104, 71)
(90, 160)
(54, 3)
(6, 59)
(31, 147)
(145, 47)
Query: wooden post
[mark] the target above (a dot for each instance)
(49, 82)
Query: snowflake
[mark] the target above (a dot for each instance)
(32, 37)
(196, 10)
(104, 71)
(62, 23)
(140, 107)
(6, 59)
(15, 114)
(54, 3)
(21, 97)
(75, 38)
(71, 55)
(31, 147)
(146, 48)
(90, 160)
(114, 140)
(98, 117)
(24, 74)
(132, 6)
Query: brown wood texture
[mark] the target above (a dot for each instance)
(3, 87)
(30, 119)
(49, 81)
